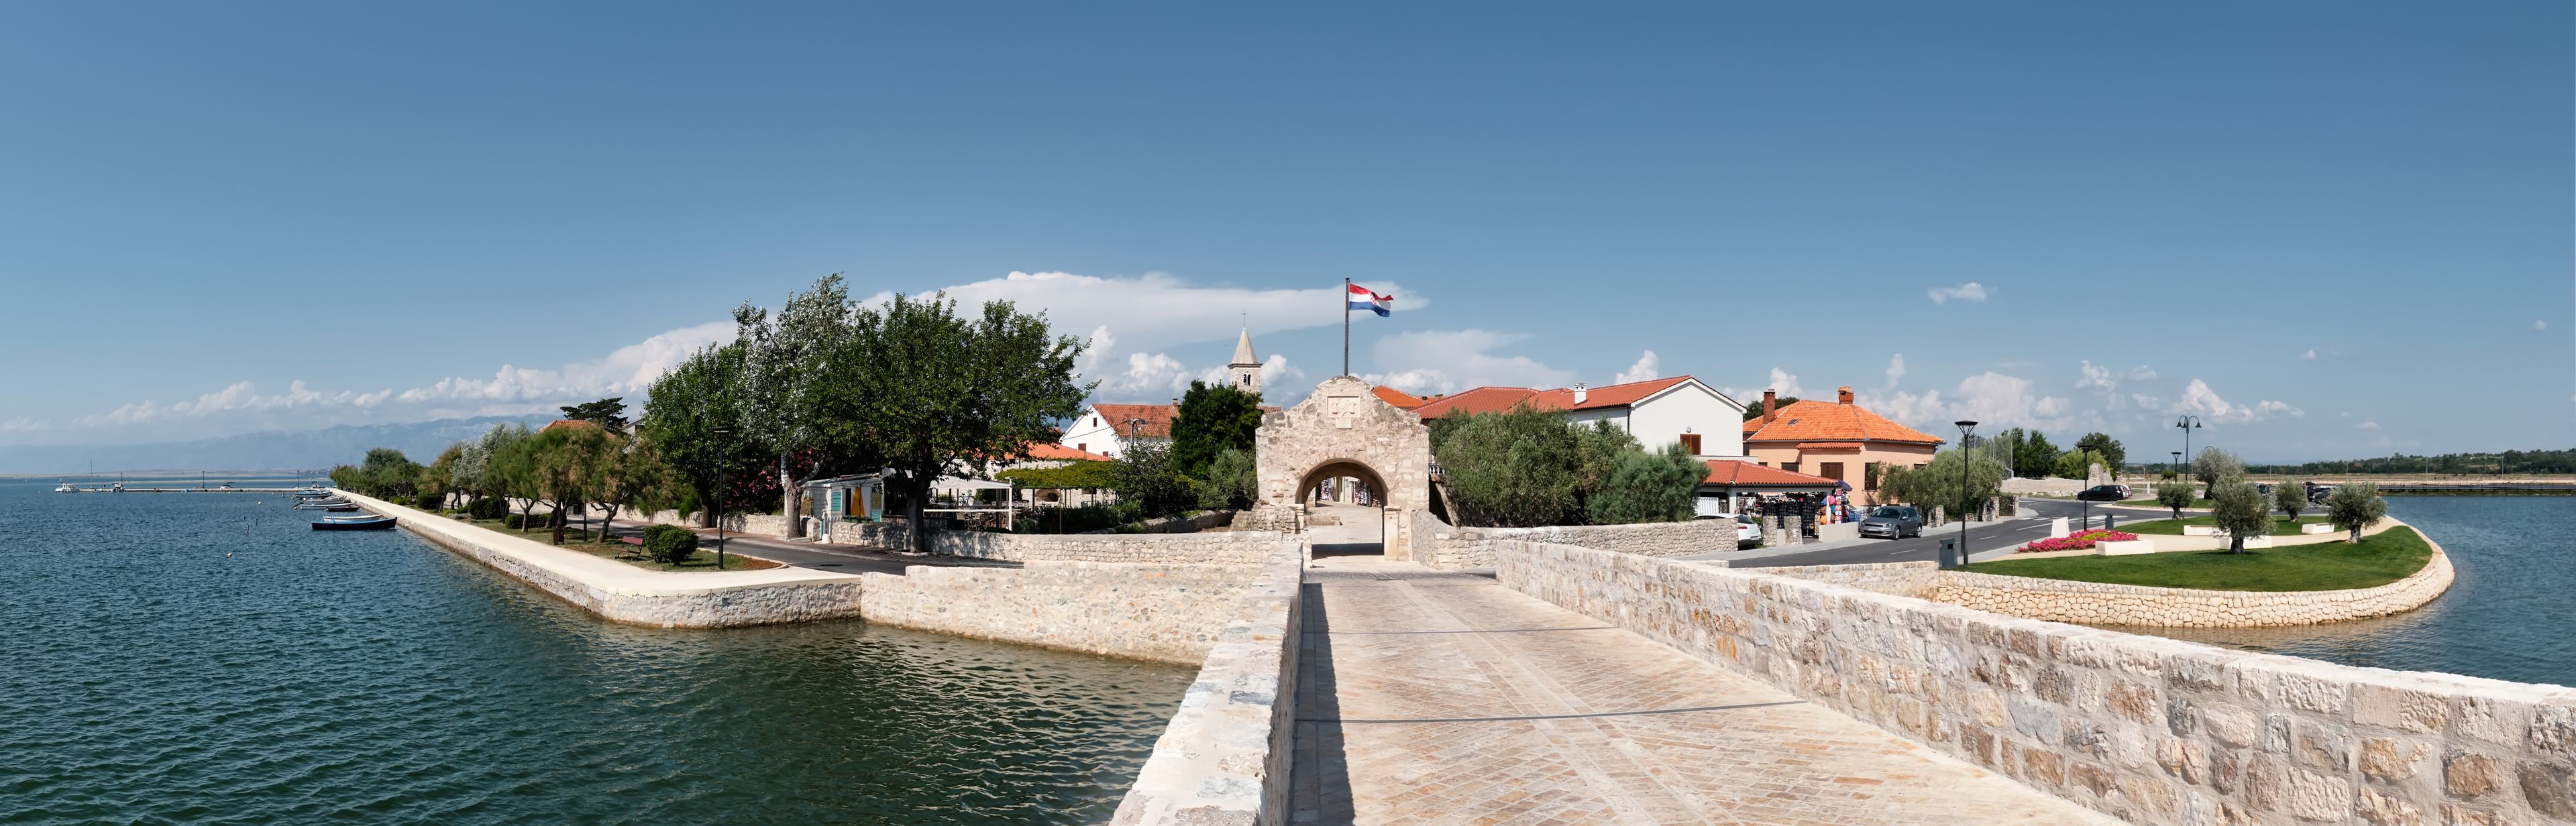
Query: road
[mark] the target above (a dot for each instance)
(1927, 548)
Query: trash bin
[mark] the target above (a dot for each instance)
(2110, 520)
(1950, 552)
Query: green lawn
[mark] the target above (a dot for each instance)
(703, 560)
(2170, 527)
(2376, 560)
(2151, 503)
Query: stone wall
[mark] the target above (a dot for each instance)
(1438, 544)
(1343, 423)
(1161, 612)
(2147, 729)
(2099, 603)
(1223, 758)
(1208, 548)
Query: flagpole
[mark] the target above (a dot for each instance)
(1346, 326)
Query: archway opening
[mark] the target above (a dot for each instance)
(1345, 509)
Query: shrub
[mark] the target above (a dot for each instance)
(488, 507)
(2291, 497)
(2355, 506)
(1146, 475)
(1649, 487)
(2077, 541)
(670, 544)
(432, 501)
(2175, 495)
(2240, 511)
(1233, 479)
(513, 521)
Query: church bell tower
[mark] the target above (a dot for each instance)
(1245, 373)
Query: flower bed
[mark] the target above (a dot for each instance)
(2077, 541)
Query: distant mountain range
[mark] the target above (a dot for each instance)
(312, 449)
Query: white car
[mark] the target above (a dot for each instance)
(1748, 531)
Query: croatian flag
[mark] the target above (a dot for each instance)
(1362, 299)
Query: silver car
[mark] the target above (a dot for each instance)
(1893, 522)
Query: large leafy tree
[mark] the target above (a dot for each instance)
(2035, 457)
(1211, 420)
(2240, 511)
(2213, 466)
(2355, 507)
(795, 379)
(608, 413)
(1939, 483)
(2291, 497)
(1649, 487)
(1516, 469)
(1598, 452)
(617, 471)
(1232, 481)
(1146, 477)
(933, 390)
(2112, 453)
(695, 421)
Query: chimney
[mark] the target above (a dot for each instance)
(1578, 393)
(1843, 395)
(1770, 405)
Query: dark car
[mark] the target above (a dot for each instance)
(2104, 493)
(1893, 522)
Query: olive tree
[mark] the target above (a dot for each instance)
(2176, 495)
(1939, 483)
(1649, 487)
(2212, 466)
(1517, 469)
(2355, 507)
(2239, 510)
(2291, 497)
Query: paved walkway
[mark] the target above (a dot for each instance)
(1439, 697)
(842, 559)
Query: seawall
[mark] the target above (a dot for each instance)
(2147, 729)
(1438, 544)
(1223, 759)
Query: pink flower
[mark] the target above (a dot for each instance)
(2077, 541)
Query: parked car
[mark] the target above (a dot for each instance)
(1748, 530)
(2317, 493)
(2104, 493)
(1893, 522)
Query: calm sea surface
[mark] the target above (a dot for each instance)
(206, 658)
(2510, 615)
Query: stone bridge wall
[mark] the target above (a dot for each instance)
(1438, 544)
(1162, 612)
(1223, 759)
(1206, 548)
(2151, 730)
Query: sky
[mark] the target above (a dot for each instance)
(2327, 229)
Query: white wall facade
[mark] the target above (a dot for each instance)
(1692, 407)
(1096, 433)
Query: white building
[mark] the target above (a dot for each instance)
(1107, 429)
(1659, 412)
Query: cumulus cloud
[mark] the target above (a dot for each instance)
(2538, 325)
(1647, 367)
(1782, 381)
(2367, 424)
(1971, 291)
(1446, 361)
(626, 370)
(1989, 398)
(1895, 369)
(1155, 311)
(2199, 399)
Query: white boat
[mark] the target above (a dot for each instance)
(66, 487)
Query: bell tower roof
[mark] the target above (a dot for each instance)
(1243, 356)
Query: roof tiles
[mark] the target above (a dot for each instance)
(1822, 421)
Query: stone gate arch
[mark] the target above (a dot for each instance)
(1344, 427)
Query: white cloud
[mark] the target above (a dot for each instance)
(1782, 381)
(2198, 399)
(1895, 369)
(1155, 311)
(1274, 370)
(2367, 425)
(25, 425)
(1971, 291)
(1647, 367)
(1991, 399)
(626, 371)
(2538, 325)
(1446, 361)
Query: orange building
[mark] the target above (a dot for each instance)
(1835, 440)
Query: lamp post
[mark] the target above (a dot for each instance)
(2176, 464)
(721, 432)
(1967, 430)
(2188, 424)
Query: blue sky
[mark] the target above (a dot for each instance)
(2328, 228)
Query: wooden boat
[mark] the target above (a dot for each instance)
(332, 504)
(355, 523)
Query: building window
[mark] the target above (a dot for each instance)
(1869, 475)
(1690, 442)
(1832, 470)
(1791, 467)
(1082, 446)
(1095, 421)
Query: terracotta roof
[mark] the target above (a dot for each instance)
(567, 423)
(1828, 445)
(1050, 451)
(1499, 399)
(1158, 418)
(1813, 421)
(1399, 398)
(1743, 474)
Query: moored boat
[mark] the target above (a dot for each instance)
(354, 523)
(66, 487)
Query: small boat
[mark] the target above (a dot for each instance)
(355, 523)
(66, 487)
(314, 493)
(319, 504)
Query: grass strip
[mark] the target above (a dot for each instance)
(2391, 555)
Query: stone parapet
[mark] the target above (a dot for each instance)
(1455, 548)
(1147, 611)
(1223, 759)
(2147, 729)
(2099, 603)
(1204, 548)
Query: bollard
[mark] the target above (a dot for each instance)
(2109, 520)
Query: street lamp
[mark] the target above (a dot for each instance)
(1967, 430)
(721, 433)
(2176, 464)
(2188, 424)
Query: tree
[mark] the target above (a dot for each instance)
(1088, 474)
(2240, 511)
(1233, 480)
(1516, 469)
(2175, 495)
(2077, 464)
(1212, 419)
(512, 474)
(2037, 458)
(622, 470)
(2291, 497)
(1146, 476)
(2006, 447)
(1649, 487)
(439, 479)
(498, 466)
(695, 421)
(1598, 450)
(557, 464)
(935, 390)
(2213, 465)
(2355, 507)
(794, 379)
(609, 413)
(386, 473)
(1939, 483)
(2113, 455)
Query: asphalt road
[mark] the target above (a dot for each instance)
(1927, 548)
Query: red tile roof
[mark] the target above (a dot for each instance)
(1499, 399)
(1158, 417)
(1402, 400)
(1742, 474)
(567, 423)
(1045, 451)
(1822, 421)
(1828, 445)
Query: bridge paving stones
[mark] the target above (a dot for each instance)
(1430, 697)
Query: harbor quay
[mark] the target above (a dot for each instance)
(1373, 665)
